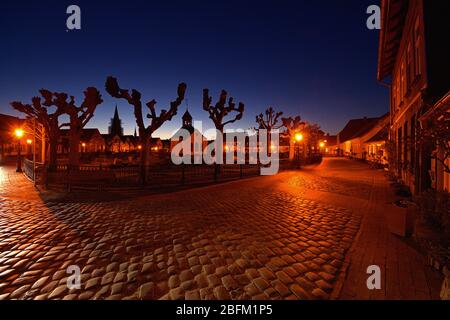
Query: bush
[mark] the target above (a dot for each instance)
(434, 208)
(401, 190)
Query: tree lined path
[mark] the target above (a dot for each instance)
(299, 235)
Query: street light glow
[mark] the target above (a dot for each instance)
(29, 141)
(18, 133)
(298, 137)
(322, 144)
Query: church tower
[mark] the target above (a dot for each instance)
(187, 122)
(187, 119)
(115, 126)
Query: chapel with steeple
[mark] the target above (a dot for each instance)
(187, 122)
(115, 125)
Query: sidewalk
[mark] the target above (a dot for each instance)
(14, 185)
(404, 272)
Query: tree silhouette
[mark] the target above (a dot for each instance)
(219, 111)
(49, 121)
(78, 116)
(313, 135)
(269, 122)
(293, 125)
(156, 121)
(435, 132)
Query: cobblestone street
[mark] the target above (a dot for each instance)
(297, 235)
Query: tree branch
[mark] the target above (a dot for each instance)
(112, 87)
(220, 110)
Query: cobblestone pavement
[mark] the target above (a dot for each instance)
(261, 238)
(405, 273)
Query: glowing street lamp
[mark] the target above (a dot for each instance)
(322, 144)
(19, 134)
(29, 141)
(298, 137)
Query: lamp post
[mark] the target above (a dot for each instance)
(298, 137)
(19, 135)
(29, 142)
(322, 145)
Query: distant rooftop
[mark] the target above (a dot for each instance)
(358, 127)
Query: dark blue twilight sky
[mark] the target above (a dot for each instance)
(313, 58)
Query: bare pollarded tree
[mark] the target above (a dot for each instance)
(156, 121)
(49, 121)
(79, 116)
(222, 109)
(269, 121)
(293, 125)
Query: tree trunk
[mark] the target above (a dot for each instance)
(291, 149)
(43, 146)
(218, 167)
(53, 136)
(2, 153)
(53, 153)
(144, 158)
(74, 152)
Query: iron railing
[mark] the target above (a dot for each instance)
(157, 176)
(32, 169)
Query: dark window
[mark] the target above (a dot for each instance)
(410, 64)
(405, 144)
(417, 48)
(399, 149)
(413, 143)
